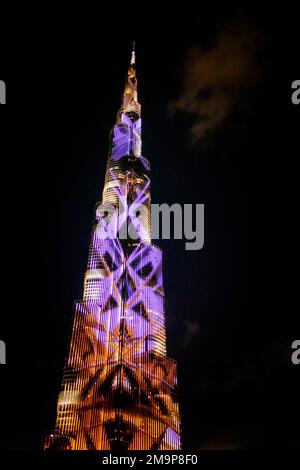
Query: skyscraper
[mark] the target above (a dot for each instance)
(119, 388)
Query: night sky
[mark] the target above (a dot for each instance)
(232, 308)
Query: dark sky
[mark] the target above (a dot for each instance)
(232, 308)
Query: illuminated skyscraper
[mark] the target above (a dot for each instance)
(119, 388)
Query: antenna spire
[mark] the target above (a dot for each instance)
(132, 61)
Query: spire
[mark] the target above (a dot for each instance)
(130, 104)
(132, 61)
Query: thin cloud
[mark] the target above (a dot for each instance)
(192, 329)
(218, 79)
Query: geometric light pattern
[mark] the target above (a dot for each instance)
(119, 389)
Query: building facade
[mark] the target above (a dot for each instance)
(119, 388)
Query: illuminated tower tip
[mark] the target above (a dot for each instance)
(132, 61)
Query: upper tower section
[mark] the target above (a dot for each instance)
(126, 134)
(127, 179)
(130, 105)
